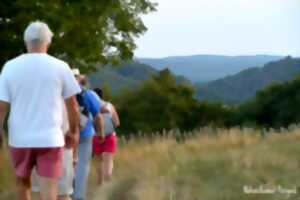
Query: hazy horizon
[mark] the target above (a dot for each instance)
(218, 27)
(191, 55)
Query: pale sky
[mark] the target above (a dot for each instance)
(223, 27)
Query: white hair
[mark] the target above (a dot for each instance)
(37, 33)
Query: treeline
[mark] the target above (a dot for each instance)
(161, 103)
(275, 106)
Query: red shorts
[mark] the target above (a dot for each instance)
(109, 145)
(47, 161)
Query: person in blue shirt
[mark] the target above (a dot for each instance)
(89, 115)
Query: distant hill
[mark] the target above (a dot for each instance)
(203, 68)
(244, 84)
(127, 75)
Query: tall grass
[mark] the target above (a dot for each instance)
(208, 164)
(7, 183)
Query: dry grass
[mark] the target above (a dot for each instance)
(7, 182)
(211, 164)
(206, 166)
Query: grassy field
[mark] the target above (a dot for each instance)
(208, 165)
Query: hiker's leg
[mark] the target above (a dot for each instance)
(48, 188)
(97, 157)
(65, 184)
(23, 162)
(23, 188)
(49, 170)
(82, 168)
(107, 165)
(99, 166)
(35, 186)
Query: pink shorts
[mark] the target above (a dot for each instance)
(109, 145)
(47, 161)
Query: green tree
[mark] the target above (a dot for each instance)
(160, 103)
(86, 31)
(275, 106)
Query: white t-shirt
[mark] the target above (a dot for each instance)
(35, 85)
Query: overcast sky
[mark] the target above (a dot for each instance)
(226, 27)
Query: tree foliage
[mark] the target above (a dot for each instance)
(158, 104)
(86, 31)
(162, 103)
(276, 106)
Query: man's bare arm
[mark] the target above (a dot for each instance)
(99, 124)
(73, 117)
(3, 111)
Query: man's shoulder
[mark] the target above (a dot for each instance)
(15, 60)
(25, 57)
(92, 101)
(89, 94)
(57, 61)
(11, 64)
(95, 95)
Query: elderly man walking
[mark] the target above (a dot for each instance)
(33, 86)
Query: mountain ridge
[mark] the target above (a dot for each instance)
(245, 84)
(207, 67)
(127, 75)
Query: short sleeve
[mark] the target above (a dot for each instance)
(4, 89)
(93, 103)
(70, 85)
